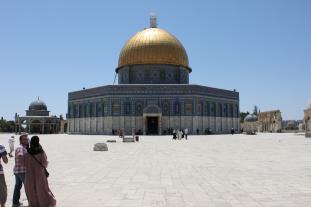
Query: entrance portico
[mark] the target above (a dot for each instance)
(152, 116)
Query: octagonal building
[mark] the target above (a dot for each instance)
(153, 95)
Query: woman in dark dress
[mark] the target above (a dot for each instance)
(36, 183)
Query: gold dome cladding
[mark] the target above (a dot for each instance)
(153, 46)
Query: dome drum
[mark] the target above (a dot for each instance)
(153, 74)
(37, 105)
(37, 108)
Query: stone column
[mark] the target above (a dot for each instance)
(144, 124)
(42, 127)
(160, 124)
(28, 125)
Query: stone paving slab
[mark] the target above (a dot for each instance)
(266, 170)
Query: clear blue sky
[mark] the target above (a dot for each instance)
(262, 48)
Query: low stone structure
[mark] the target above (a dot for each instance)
(307, 119)
(128, 139)
(270, 121)
(63, 126)
(100, 147)
(250, 125)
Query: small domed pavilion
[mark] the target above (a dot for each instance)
(250, 125)
(38, 120)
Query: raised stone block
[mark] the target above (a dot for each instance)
(128, 139)
(100, 147)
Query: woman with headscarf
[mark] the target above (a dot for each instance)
(36, 183)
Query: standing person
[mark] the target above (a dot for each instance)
(186, 133)
(174, 134)
(36, 183)
(11, 145)
(232, 131)
(179, 134)
(3, 188)
(19, 168)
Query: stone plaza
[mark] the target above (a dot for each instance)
(266, 170)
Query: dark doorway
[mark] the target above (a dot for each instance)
(152, 125)
(65, 128)
(35, 127)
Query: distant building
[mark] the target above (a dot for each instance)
(291, 124)
(153, 95)
(37, 120)
(250, 124)
(307, 119)
(270, 121)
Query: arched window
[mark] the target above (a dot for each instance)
(207, 108)
(116, 108)
(106, 109)
(177, 108)
(166, 108)
(99, 110)
(213, 109)
(127, 108)
(219, 110)
(138, 109)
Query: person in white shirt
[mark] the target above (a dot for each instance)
(186, 133)
(11, 145)
(179, 134)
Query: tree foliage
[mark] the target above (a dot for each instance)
(255, 112)
(7, 126)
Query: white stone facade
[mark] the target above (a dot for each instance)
(105, 125)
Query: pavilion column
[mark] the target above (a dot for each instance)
(144, 124)
(160, 124)
(42, 127)
(28, 125)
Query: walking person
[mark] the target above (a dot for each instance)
(186, 133)
(3, 187)
(36, 183)
(11, 145)
(19, 168)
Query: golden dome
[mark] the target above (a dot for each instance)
(153, 46)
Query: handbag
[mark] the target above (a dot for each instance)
(47, 174)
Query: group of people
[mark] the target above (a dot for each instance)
(180, 134)
(30, 170)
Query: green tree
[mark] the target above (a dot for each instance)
(255, 112)
(6, 126)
